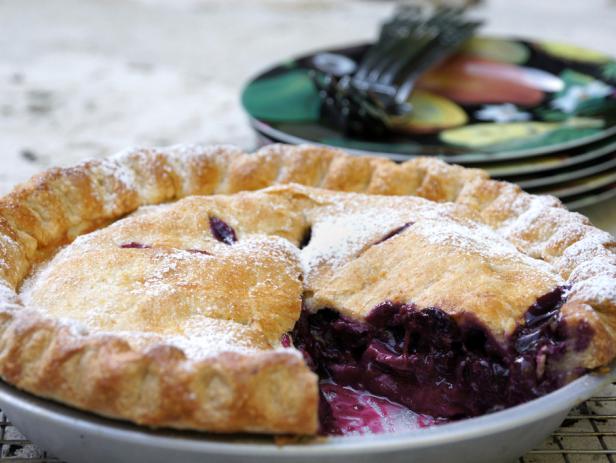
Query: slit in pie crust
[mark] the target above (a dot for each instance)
(295, 290)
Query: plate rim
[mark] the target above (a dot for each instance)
(563, 193)
(578, 174)
(571, 161)
(590, 198)
(468, 158)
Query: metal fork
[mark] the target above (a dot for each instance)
(362, 101)
(408, 45)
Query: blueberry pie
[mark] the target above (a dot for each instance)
(296, 290)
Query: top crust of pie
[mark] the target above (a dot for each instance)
(129, 345)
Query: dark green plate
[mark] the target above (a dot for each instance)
(498, 99)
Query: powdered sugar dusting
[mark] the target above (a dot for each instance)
(180, 158)
(7, 295)
(186, 151)
(339, 236)
(110, 169)
(595, 266)
(343, 226)
(6, 244)
(576, 250)
(592, 244)
(158, 283)
(204, 337)
(527, 213)
(598, 290)
(199, 347)
(475, 239)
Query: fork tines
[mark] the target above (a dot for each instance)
(412, 41)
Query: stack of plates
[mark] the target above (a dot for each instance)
(541, 114)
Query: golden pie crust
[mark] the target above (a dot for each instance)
(117, 298)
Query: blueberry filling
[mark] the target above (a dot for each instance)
(199, 251)
(345, 410)
(135, 245)
(434, 363)
(285, 340)
(394, 232)
(222, 231)
(306, 238)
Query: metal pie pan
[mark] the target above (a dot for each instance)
(77, 436)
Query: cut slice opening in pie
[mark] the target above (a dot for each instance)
(296, 290)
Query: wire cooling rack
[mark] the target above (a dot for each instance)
(588, 435)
